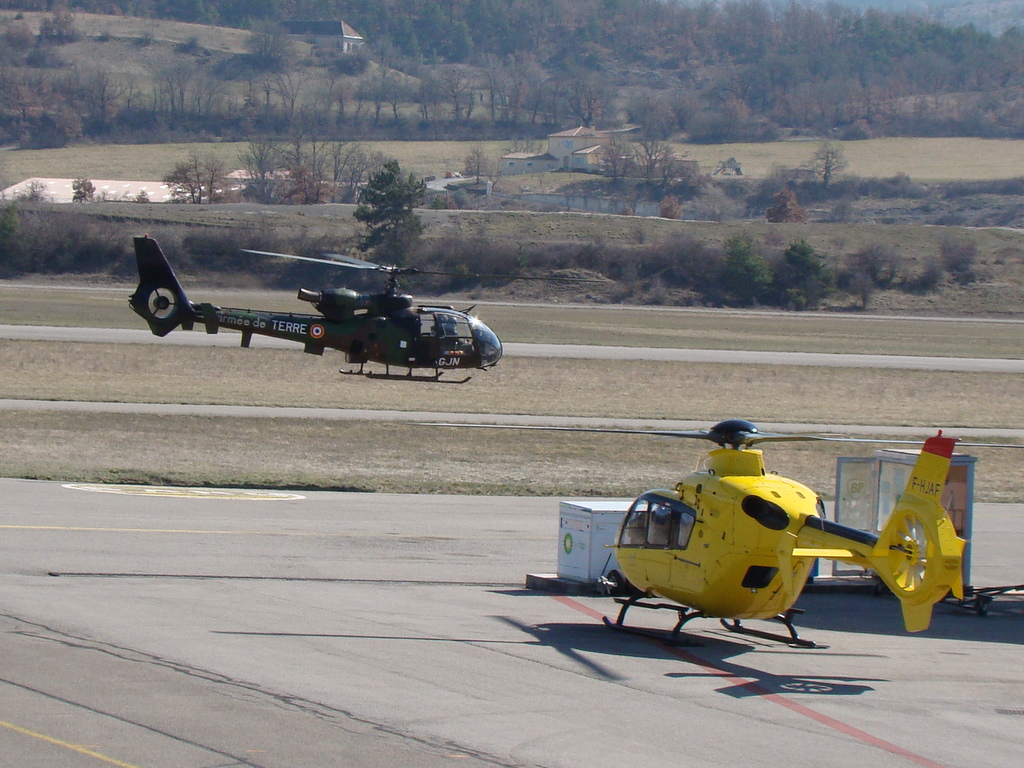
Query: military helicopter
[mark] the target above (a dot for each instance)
(384, 328)
(734, 542)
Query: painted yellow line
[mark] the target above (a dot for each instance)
(73, 747)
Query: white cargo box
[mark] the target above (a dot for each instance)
(586, 531)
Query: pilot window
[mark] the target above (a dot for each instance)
(684, 527)
(454, 332)
(658, 523)
(634, 531)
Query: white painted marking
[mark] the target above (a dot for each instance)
(235, 494)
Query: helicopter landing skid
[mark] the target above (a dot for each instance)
(793, 639)
(673, 637)
(410, 376)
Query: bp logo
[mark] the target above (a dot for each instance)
(567, 543)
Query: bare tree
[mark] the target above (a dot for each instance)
(652, 156)
(269, 46)
(587, 94)
(537, 90)
(260, 160)
(618, 156)
(497, 80)
(306, 159)
(197, 179)
(173, 87)
(102, 94)
(457, 86)
(429, 94)
(373, 89)
(828, 161)
(479, 163)
(288, 87)
(351, 164)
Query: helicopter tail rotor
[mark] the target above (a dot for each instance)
(918, 555)
(159, 298)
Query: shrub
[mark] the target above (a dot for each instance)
(801, 279)
(785, 207)
(958, 258)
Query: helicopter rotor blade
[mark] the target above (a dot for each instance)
(344, 260)
(304, 258)
(732, 433)
(686, 434)
(897, 441)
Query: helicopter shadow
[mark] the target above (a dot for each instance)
(580, 642)
(713, 661)
(881, 615)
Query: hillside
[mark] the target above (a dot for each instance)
(644, 261)
(743, 70)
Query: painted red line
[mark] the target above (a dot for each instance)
(762, 692)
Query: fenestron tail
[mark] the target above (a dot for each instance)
(918, 555)
(159, 299)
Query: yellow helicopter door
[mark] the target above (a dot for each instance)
(686, 571)
(659, 536)
(653, 548)
(632, 536)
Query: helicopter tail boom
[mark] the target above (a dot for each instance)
(918, 555)
(159, 299)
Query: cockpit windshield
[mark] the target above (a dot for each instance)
(487, 342)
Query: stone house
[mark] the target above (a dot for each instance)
(577, 149)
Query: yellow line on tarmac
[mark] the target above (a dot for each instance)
(72, 747)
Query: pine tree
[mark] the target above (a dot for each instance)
(386, 209)
(747, 274)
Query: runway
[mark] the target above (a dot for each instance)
(381, 630)
(578, 351)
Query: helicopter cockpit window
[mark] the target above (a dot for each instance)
(453, 330)
(634, 530)
(660, 525)
(658, 522)
(683, 527)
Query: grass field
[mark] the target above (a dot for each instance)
(128, 27)
(400, 457)
(546, 386)
(944, 159)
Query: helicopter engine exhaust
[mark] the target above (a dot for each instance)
(313, 297)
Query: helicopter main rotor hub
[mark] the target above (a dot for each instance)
(734, 433)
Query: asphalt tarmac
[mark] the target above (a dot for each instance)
(331, 629)
(577, 351)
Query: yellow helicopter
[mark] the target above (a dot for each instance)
(733, 541)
